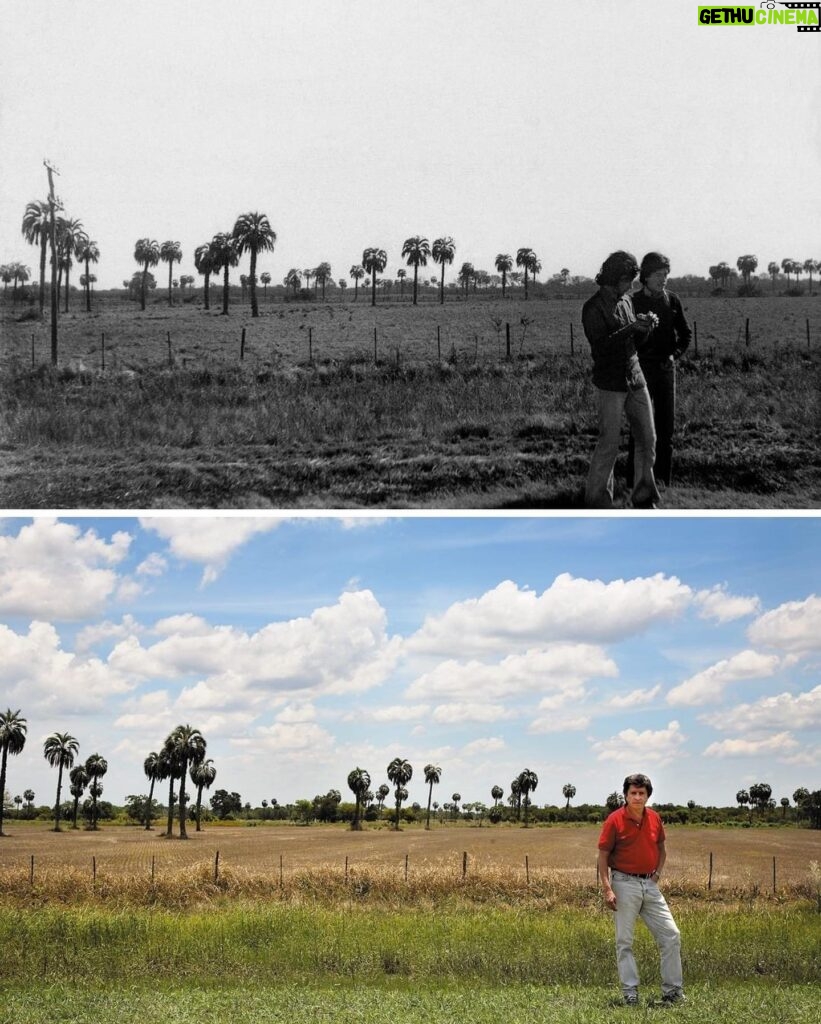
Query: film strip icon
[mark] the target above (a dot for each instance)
(805, 7)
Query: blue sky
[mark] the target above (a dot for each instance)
(580, 647)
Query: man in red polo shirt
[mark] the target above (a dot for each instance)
(631, 859)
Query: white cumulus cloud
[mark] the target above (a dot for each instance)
(629, 747)
(717, 604)
(53, 570)
(794, 626)
(781, 711)
(708, 686)
(744, 747)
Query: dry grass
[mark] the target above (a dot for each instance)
(543, 866)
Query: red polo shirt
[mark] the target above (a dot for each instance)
(632, 845)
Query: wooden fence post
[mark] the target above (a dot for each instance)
(747, 333)
(406, 866)
(31, 872)
(710, 876)
(242, 346)
(507, 341)
(773, 876)
(102, 350)
(572, 346)
(527, 869)
(280, 873)
(464, 864)
(94, 870)
(216, 866)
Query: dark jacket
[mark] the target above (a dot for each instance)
(672, 336)
(609, 325)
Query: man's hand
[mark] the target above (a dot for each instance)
(610, 899)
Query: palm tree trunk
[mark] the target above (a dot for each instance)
(74, 815)
(183, 833)
(170, 268)
(148, 807)
(415, 274)
(525, 281)
(3, 784)
(442, 286)
(142, 286)
(253, 283)
(373, 288)
(168, 831)
(430, 797)
(68, 271)
(225, 292)
(88, 291)
(207, 285)
(199, 806)
(504, 282)
(43, 244)
(57, 802)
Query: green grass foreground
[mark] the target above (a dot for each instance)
(398, 1003)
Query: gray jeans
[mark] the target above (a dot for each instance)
(640, 897)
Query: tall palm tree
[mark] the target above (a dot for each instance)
(516, 796)
(504, 264)
(401, 274)
(96, 767)
(747, 265)
(497, 793)
(189, 746)
(308, 273)
(523, 259)
(225, 256)
(528, 781)
(433, 773)
(810, 266)
(265, 278)
(169, 769)
(772, 270)
(202, 774)
(381, 793)
(36, 229)
(12, 740)
(28, 796)
(88, 252)
(70, 239)
(153, 767)
(322, 275)
(443, 251)
(400, 773)
(293, 279)
(78, 777)
(534, 266)
(20, 273)
(456, 798)
(568, 792)
(253, 233)
(357, 273)
(147, 254)
(416, 251)
(374, 261)
(204, 263)
(170, 253)
(359, 782)
(466, 272)
(60, 750)
(5, 277)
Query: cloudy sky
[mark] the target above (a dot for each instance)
(572, 128)
(582, 648)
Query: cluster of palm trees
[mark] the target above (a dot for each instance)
(252, 233)
(60, 750)
(720, 273)
(182, 754)
(71, 241)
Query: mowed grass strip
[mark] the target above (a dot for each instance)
(396, 1002)
(490, 945)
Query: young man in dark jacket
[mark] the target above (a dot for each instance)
(658, 356)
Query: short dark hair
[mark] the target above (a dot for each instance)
(652, 262)
(617, 265)
(639, 781)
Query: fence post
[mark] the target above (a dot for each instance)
(152, 869)
(94, 869)
(747, 333)
(280, 872)
(527, 869)
(31, 872)
(710, 876)
(102, 349)
(507, 341)
(170, 358)
(406, 866)
(216, 866)
(572, 346)
(773, 876)
(464, 864)
(242, 345)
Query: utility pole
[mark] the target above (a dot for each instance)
(54, 205)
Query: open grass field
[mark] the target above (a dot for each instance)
(345, 405)
(237, 952)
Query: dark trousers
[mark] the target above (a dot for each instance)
(661, 383)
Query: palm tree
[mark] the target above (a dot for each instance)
(87, 252)
(309, 273)
(747, 265)
(225, 256)
(374, 261)
(78, 777)
(568, 792)
(188, 745)
(147, 254)
(524, 258)
(743, 798)
(516, 796)
(168, 769)
(265, 278)
(322, 274)
(20, 273)
(12, 740)
(381, 793)
(535, 267)
(204, 263)
(59, 750)
(293, 279)
(497, 793)
(152, 766)
(28, 796)
(772, 270)
(36, 231)
(810, 266)
(528, 781)
(456, 798)
(504, 264)
(5, 277)
(356, 273)
(202, 774)
(170, 253)
(443, 251)
(433, 773)
(359, 782)
(788, 266)
(96, 767)
(401, 274)
(416, 251)
(400, 773)
(70, 239)
(253, 233)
